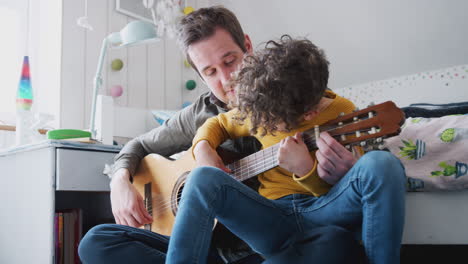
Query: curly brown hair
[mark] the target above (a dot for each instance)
(280, 83)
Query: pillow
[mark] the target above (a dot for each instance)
(434, 152)
(435, 110)
(162, 115)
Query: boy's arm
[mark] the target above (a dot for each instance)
(294, 156)
(205, 155)
(211, 134)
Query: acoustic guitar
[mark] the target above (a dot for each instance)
(160, 180)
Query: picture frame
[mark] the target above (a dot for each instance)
(135, 9)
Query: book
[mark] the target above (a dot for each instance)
(68, 235)
(59, 250)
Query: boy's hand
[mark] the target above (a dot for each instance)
(334, 160)
(205, 155)
(294, 156)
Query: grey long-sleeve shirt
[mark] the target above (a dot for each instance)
(177, 133)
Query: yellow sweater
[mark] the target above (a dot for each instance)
(277, 182)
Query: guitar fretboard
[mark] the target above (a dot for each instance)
(360, 127)
(264, 160)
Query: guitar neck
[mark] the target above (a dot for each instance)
(261, 161)
(365, 127)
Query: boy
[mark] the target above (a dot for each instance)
(281, 91)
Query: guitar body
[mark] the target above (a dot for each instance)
(166, 177)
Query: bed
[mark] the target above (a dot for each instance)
(438, 214)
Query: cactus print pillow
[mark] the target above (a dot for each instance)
(434, 152)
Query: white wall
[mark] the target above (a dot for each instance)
(365, 40)
(153, 76)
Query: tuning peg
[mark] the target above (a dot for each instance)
(316, 131)
(343, 137)
(369, 147)
(348, 146)
(355, 119)
(381, 146)
(373, 130)
(370, 114)
(358, 133)
(378, 140)
(363, 143)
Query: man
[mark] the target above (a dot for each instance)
(214, 43)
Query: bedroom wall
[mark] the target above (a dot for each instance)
(153, 76)
(365, 40)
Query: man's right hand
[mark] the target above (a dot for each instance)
(205, 155)
(127, 204)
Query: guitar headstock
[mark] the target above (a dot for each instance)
(368, 126)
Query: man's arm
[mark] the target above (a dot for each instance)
(173, 136)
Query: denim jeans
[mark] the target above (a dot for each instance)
(368, 200)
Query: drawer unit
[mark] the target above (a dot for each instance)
(82, 170)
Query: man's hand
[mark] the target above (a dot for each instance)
(294, 156)
(205, 155)
(334, 160)
(127, 204)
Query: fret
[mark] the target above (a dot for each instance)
(248, 165)
(271, 152)
(262, 160)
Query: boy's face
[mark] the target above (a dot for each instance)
(216, 58)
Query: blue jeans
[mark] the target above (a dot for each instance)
(113, 244)
(368, 200)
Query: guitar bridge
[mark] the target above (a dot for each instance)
(148, 203)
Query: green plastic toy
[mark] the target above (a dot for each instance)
(67, 134)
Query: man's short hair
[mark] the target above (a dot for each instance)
(202, 23)
(280, 83)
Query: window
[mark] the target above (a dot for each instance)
(12, 48)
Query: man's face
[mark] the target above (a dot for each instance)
(216, 58)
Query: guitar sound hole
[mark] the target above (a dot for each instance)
(177, 192)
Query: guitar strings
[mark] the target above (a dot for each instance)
(271, 161)
(268, 162)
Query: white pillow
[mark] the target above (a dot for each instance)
(162, 115)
